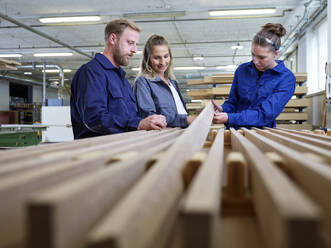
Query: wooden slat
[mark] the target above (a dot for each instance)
(300, 90)
(49, 209)
(9, 61)
(200, 92)
(313, 177)
(139, 217)
(221, 90)
(284, 213)
(312, 141)
(15, 189)
(311, 135)
(296, 144)
(292, 116)
(298, 103)
(201, 208)
(295, 126)
(75, 150)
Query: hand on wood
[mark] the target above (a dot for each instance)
(153, 122)
(220, 118)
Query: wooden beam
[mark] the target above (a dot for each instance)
(313, 177)
(14, 190)
(296, 144)
(311, 135)
(295, 126)
(318, 143)
(284, 213)
(292, 116)
(300, 90)
(159, 191)
(103, 188)
(304, 102)
(201, 207)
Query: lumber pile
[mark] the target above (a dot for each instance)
(194, 187)
(218, 86)
(6, 64)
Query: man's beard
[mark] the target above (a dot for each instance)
(119, 58)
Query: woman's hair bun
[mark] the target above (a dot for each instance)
(275, 28)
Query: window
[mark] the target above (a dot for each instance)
(317, 56)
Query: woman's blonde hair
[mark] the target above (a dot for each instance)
(146, 69)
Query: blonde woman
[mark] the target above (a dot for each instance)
(156, 89)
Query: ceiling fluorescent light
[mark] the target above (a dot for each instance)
(13, 55)
(56, 70)
(52, 54)
(147, 15)
(139, 52)
(242, 12)
(135, 69)
(183, 68)
(238, 46)
(28, 73)
(63, 19)
(227, 67)
(197, 58)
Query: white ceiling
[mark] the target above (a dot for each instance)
(195, 34)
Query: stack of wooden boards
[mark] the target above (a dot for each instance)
(164, 189)
(294, 116)
(6, 64)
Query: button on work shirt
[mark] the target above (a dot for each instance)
(154, 96)
(257, 102)
(102, 100)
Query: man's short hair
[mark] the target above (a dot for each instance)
(117, 27)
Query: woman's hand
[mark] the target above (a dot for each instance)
(220, 118)
(216, 107)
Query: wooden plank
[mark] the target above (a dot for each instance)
(292, 116)
(14, 190)
(313, 177)
(192, 166)
(130, 224)
(312, 141)
(200, 92)
(311, 135)
(304, 102)
(295, 126)
(284, 213)
(221, 90)
(6, 67)
(300, 90)
(44, 159)
(104, 188)
(201, 207)
(9, 61)
(296, 144)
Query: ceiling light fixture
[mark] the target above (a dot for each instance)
(227, 67)
(147, 15)
(183, 68)
(13, 55)
(52, 54)
(135, 69)
(198, 58)
(56, 70)
(242, 12)
(63, 19)
(28, 73)
(139, 52)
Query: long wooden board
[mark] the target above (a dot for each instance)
(138, 218)
(313, 177)
(14, 190)
(201, 207)
(284, 213)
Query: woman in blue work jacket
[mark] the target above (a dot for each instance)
(262, 87)
(156, 89)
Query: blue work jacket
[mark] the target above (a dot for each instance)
(257, 102)
(153, 96)
(102, 101)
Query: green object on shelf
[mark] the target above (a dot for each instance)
(19, 139)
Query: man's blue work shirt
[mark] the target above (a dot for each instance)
(102, 100)
(257, 102)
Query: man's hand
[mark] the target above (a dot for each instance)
(153, 122)
(220, 118)
(190, 119)
(216, 107)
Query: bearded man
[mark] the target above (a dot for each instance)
(102, 101)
